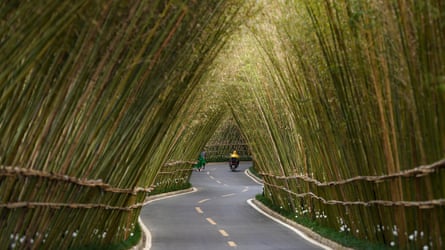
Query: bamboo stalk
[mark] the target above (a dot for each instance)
(344, 74)
(88, 91)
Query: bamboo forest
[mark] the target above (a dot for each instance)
(339, 104)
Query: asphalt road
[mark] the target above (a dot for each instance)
(217, 216)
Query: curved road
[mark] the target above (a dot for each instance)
(217, 216)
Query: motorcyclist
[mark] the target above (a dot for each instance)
(234, 159)
(234, 155)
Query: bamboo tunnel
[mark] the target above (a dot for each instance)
(340, 104)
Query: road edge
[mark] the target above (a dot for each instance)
(301, 230)
(145, 241)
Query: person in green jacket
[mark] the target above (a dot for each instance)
(203, 156)
(201, 162)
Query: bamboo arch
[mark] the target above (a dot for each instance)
(338, 101)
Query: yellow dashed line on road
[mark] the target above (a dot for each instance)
(231, 243)
(223, 233)
(211, 177)
(219, 182)
(199, 210)
(202, 201)
(211, 221)
(227, 195)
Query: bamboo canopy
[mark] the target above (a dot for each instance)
(201, 114)
(341, 104)
(227, 138)
(88, 89)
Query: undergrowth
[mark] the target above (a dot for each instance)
(344, 239)
(161, 190)
(133, 240)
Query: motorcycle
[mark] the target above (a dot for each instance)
(233, 163)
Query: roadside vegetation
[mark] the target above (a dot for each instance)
(341, 104)
(133, 240)
(347, 240)
(91, 106)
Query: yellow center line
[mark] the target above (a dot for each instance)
(211, 221)
(199, 210)
(219, 182)
(231, 243)
(202, 201)
(227, 195)
(223, 233)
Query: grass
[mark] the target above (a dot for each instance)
(133, 240)
(171, 188)
(254, 172)
(344, 239)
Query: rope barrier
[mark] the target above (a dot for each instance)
(420, 204)
(169, 164)
(17, 171)
(417, 172)
(14, 171)
(56, 205)
(175, 171)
